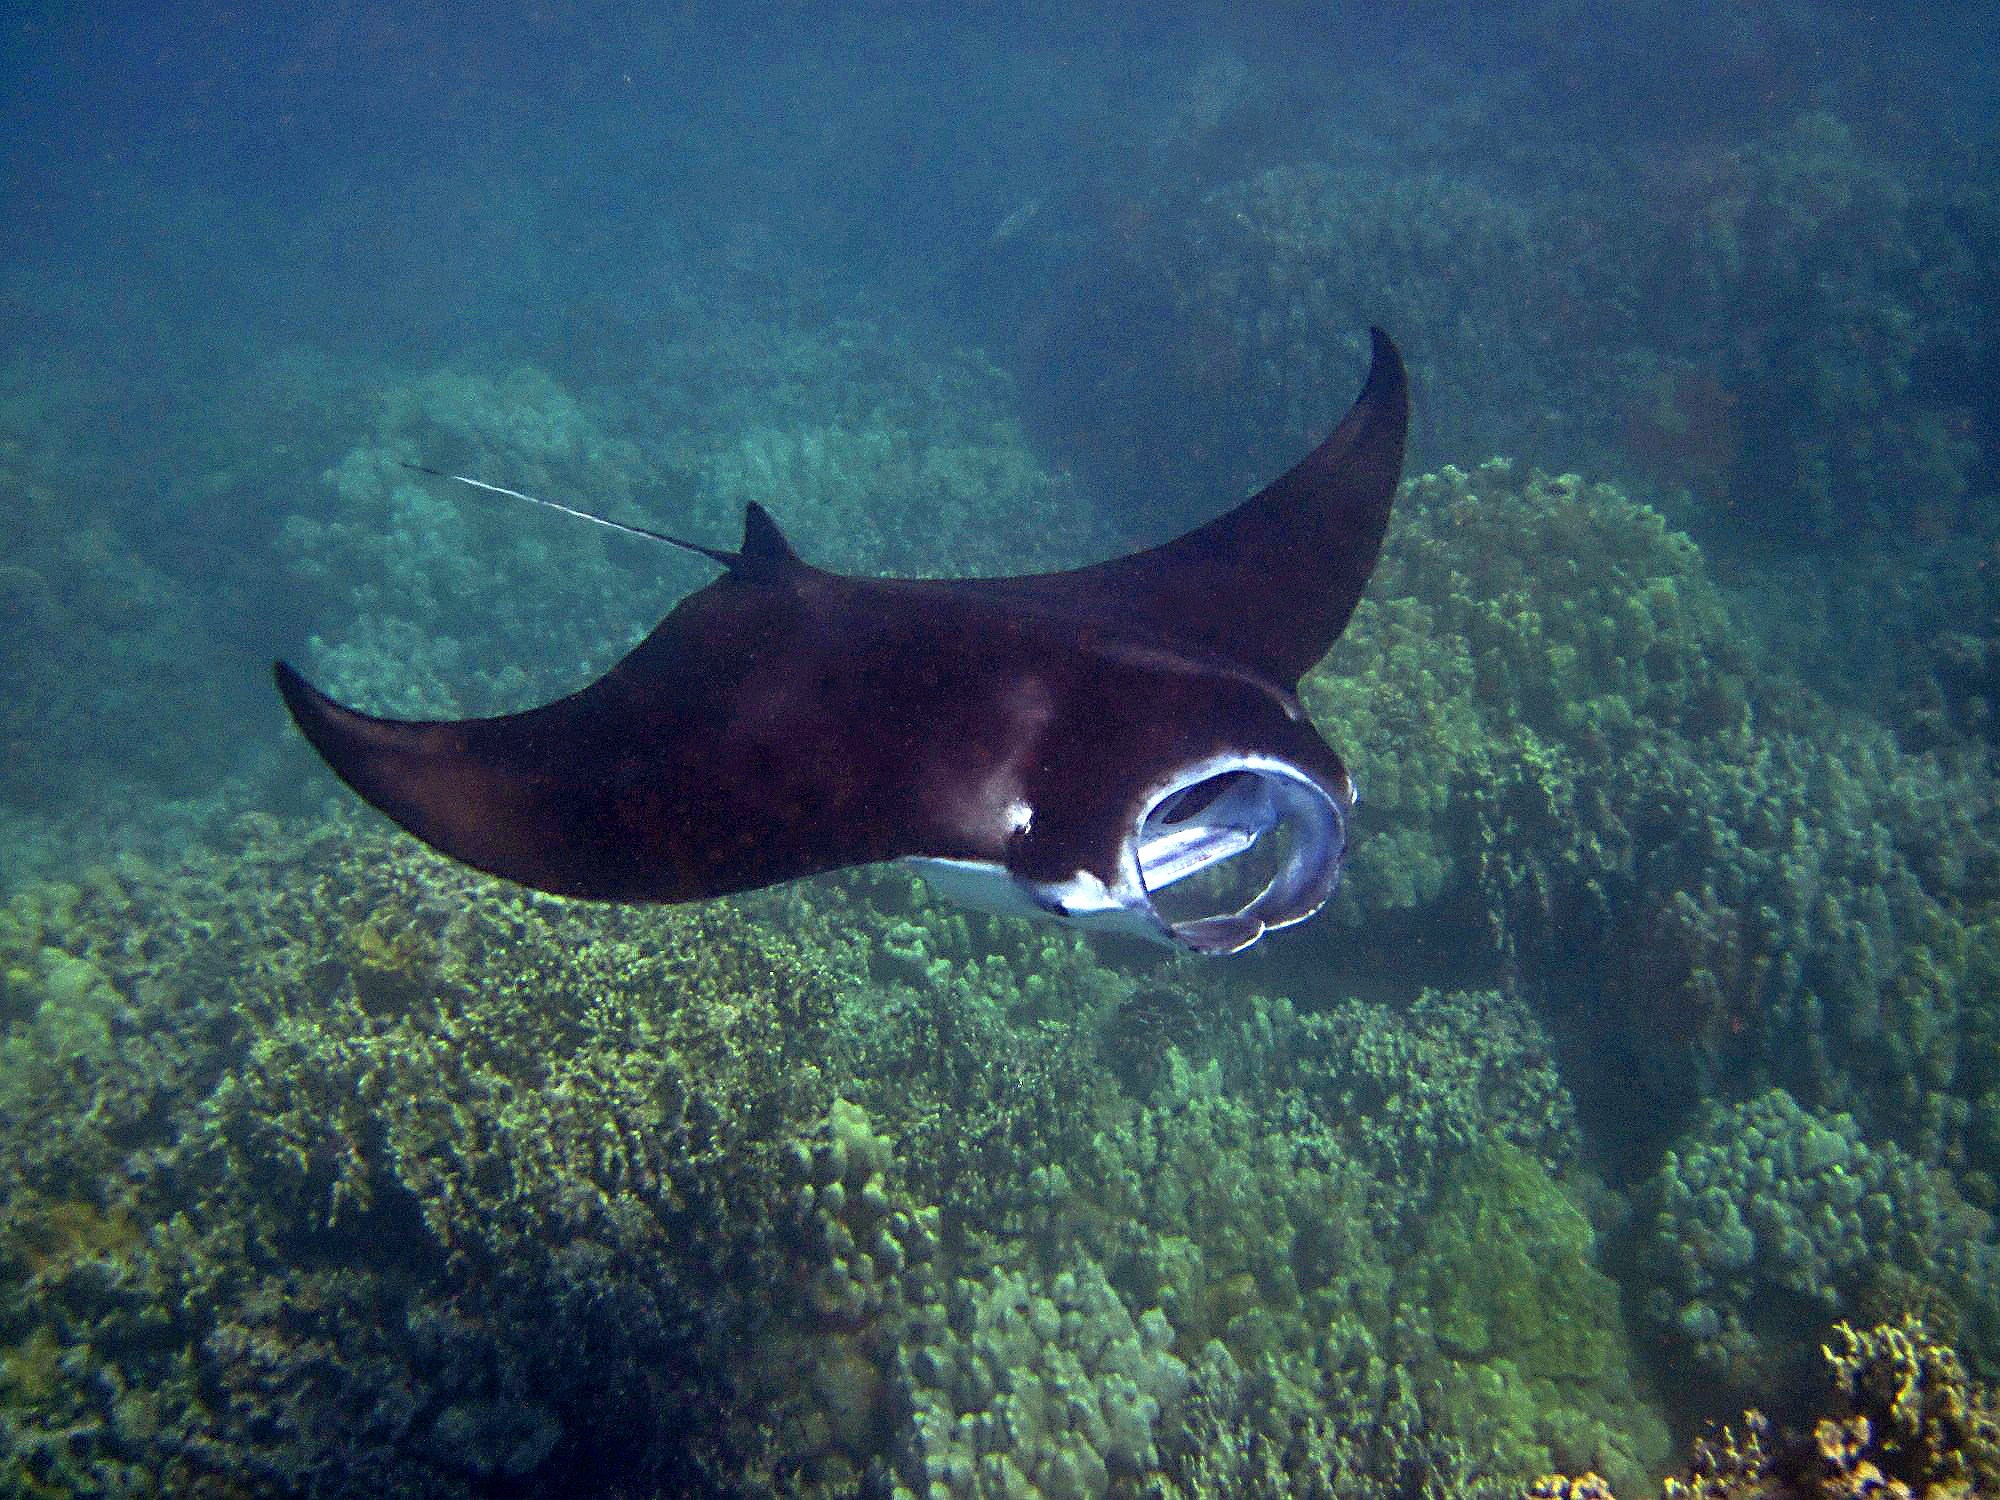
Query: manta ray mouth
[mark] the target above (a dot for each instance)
(1221, 852)
(1233, 826)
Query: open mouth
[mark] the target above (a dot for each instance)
(1238, 847)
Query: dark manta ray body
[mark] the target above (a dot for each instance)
(1063, 744)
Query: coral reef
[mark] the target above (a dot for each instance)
(367, 1175)
(137, 580)
(876, 454)
(426, 598)
(358, 1148)
(1921, 1418)
(92, 636)
(1491, 707)
(417, 1161)
(1242, 314)
(1858, 276)
(1767, 1217)
(1045, 1388)
(384, 1168)
(1259, 1200)
(1906, 1424)
(1530, 1351)
(1719, 881)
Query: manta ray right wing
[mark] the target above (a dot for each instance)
(1271, 584)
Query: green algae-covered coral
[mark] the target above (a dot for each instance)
(1270, 1197)
(1035, 1387)
(394, 1180)
(1531, 1361)
(1768, 1217)
(1249, 1202)
(428, 1235)
(398, 1081)
(1720, 881)
(1905, 1423)
(1525, 634)
(1505, 1264)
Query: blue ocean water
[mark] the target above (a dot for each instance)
(1653, 1033)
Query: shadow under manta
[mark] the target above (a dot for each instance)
(1061, 744)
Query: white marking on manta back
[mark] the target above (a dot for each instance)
(988, 807)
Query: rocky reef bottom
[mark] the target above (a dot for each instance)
(329, 1168)
(332, 1169)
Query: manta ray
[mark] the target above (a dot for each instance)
(1063, 745)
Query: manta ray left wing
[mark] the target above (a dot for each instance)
(1066, 744)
